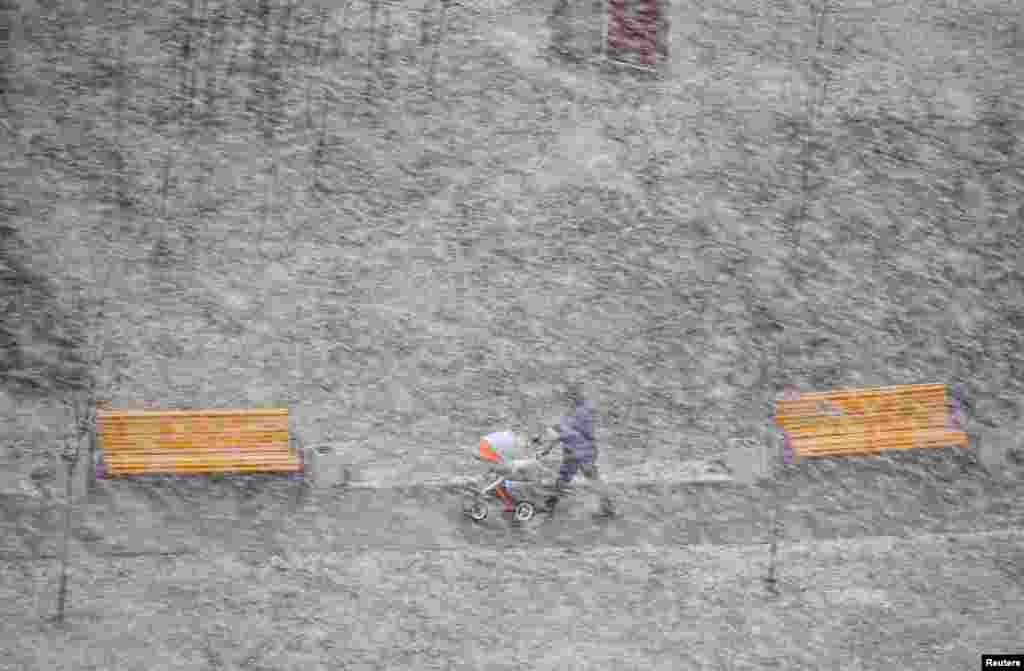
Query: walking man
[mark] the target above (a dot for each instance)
(579, 452)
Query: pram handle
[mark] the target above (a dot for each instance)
(547, 450)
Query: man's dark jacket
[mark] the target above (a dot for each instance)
(577, 432)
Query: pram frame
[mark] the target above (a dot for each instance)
(523, 508)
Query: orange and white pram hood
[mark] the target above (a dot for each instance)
(510, 454)
(498, 446)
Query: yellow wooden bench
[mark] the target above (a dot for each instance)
(195, 441)
(869, 420)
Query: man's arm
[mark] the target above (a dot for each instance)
(585, 423)
(550, 438)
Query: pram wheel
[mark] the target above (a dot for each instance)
(477, 510)
(524, 511)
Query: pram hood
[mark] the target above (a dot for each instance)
(510, 453)
(504, 447)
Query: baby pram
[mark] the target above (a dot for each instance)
(516, 464)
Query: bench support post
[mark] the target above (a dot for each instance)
(70, 458)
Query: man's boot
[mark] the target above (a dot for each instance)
(552, 501)
(607, 508)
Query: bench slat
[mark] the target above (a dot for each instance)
(853, 407)
(891, 441)
(934, 417)
(867, 392)
(922, 411)
(143, 446)
(192, 465)
(207, 412)
(268, 427)
(202, 438)
(250, 449)
(855, 427)
(243, 449)
(881, 435)
(156, 443)
(273, 456)
(211, 459)
(241, 468)
(211, 463)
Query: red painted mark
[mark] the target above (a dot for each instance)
(638, 31)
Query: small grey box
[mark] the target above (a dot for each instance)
(747, 459)
(325, 466)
